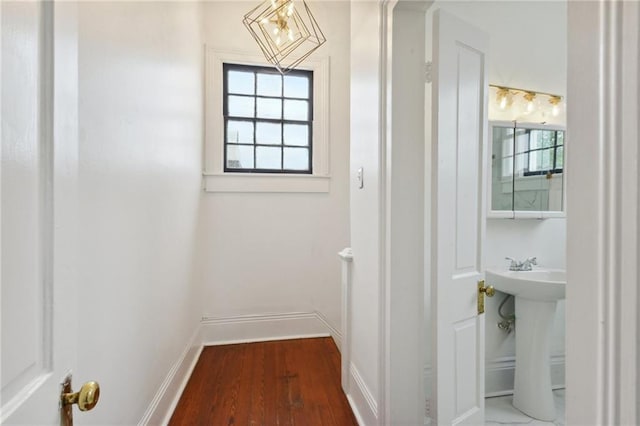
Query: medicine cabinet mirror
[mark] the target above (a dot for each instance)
(527, 170)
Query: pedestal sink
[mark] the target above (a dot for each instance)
(537, 293)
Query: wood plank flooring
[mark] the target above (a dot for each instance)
(286, 382)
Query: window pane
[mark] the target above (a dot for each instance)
(268, 158)
(534, 161)
(502, 152)
(296, 110)
(269, 85)
(239, 157)
(521, 165)
(268, 133)
(546, 159)
(560, 136)
(296, 134)
(269, 108)
(560, 157)
(541, 138)
(240, 106)
(296, 158)
(535, 139)
(507, 167)
(239, 131)
(240, 82)
(296, 87)
(548, 138)
(522, 141)
(540, 160)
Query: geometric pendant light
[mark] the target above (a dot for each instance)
(287, 33)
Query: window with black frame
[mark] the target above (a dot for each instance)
(268, 120)
(539, 151)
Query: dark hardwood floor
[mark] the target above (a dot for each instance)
(286, 382)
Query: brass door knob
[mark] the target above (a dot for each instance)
(489, 291)
(86, 399)
(482, 290)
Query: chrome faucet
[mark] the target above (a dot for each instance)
(522, 266)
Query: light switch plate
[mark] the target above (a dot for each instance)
(360, 177)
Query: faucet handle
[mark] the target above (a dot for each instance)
(514, 263)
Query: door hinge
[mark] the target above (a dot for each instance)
(428, 72)
(427, 410)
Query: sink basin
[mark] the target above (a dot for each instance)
(536, 295)
(539, 284)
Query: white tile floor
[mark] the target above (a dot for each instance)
(499, 411)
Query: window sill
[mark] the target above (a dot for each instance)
(258, 182)
(521, 214)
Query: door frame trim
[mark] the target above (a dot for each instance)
(392, 371)
(384, 335)
(602, 240)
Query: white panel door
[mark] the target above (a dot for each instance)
(38, 170)
(459, 134)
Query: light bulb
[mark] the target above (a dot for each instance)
(503, 97)
(555, 101)
(276, 30)
(290, 35)
(530, 97)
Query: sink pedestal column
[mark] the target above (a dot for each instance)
(532, 392)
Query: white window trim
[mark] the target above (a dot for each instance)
(215, 178)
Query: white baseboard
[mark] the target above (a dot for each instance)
(168, 395)
(267, 327)
(500, 373)
(335, 333)
(361, 400)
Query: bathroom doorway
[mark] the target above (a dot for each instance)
(603, 182)
(523, 56)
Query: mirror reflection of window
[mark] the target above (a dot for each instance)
(527, 168)
(506, 136)
(502, 168)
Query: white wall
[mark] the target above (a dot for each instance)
(528, 51)
(528, 41)
(140, 101)
(266, 253)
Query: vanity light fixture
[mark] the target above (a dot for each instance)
(505, 99)
(286, 31)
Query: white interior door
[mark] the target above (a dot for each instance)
(38, 176)
(458, 217)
